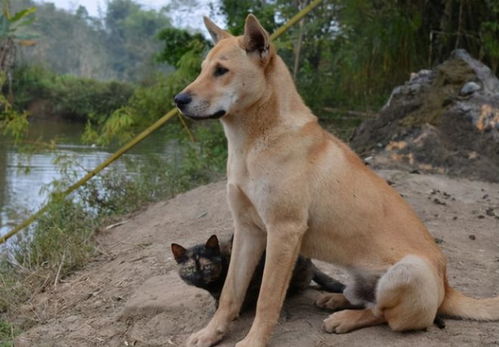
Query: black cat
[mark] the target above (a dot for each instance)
(205, 266)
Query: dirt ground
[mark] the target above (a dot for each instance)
(131, 295)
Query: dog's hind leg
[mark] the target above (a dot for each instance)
(407, 298)
(348, 320)
(409, 294)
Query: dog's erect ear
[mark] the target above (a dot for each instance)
(212, 243)
(216, 33)
(178, 252)
(256, 39)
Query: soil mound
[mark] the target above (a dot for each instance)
(131, 294)
(444, 120)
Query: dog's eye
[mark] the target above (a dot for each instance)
(219, 71)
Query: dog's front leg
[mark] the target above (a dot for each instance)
(247, 249)
(283, 246)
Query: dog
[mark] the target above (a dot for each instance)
(293, 188)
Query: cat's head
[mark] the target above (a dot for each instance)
(200, 265)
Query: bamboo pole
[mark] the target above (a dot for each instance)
(139, 138)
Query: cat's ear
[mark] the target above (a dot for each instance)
(212, 243)
(178, 252)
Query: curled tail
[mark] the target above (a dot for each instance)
(327, 283)
(458, 305)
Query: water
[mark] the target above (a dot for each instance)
(23, 176)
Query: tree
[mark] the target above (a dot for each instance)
(131, 33)
(11, 35)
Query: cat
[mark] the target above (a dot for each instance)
(205, 266)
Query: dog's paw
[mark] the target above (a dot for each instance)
(338, 323)
(332, 301)
(204, 338)
(250, 342)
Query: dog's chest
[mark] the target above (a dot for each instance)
(244, 197)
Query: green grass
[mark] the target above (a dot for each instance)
(7, 334)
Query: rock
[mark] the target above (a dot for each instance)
(469, 88)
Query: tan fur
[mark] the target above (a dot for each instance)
(294, 188)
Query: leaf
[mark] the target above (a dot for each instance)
(22, 14)
(28, 21)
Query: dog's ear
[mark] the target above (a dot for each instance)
(178, 252)
(256, 39)
(212, 243)
(216, 33)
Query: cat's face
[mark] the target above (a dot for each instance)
(200, 265)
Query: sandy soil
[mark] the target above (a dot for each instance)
(131, 295)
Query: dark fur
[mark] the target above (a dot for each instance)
(205, 266)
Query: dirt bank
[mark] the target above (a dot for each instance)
(130, 294)
(444, 120)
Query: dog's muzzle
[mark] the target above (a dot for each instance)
(182, 100)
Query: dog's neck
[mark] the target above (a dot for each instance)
(279, 109)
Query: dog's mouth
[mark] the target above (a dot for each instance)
(216, 115)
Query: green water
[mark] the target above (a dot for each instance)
(22, 176)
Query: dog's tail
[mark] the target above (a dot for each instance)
(458, 305)
(327, 283)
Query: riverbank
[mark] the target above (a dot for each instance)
(129, 293)
(47, 95)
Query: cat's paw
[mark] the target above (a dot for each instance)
(205, 338)
(332, 301)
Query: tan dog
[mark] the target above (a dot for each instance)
(295, 189)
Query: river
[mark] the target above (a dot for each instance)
(22, 176)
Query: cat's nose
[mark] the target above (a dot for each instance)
(182, 99)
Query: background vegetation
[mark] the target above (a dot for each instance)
(118, 74)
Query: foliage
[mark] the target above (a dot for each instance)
(235, 12)
(7, 333)
(120, 46)
(69, 96)
(12, 122)
(177, 42)
(489, 34)
(10, 25)
(131, 32)
(151, 102)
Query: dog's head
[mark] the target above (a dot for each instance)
(232, 76)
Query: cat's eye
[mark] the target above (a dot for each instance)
(220, 70)
(190, 268)
(208, 267)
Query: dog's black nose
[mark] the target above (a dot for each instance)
(182, 99)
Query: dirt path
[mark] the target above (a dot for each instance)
(131, 295)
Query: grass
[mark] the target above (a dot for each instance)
(7, 334)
